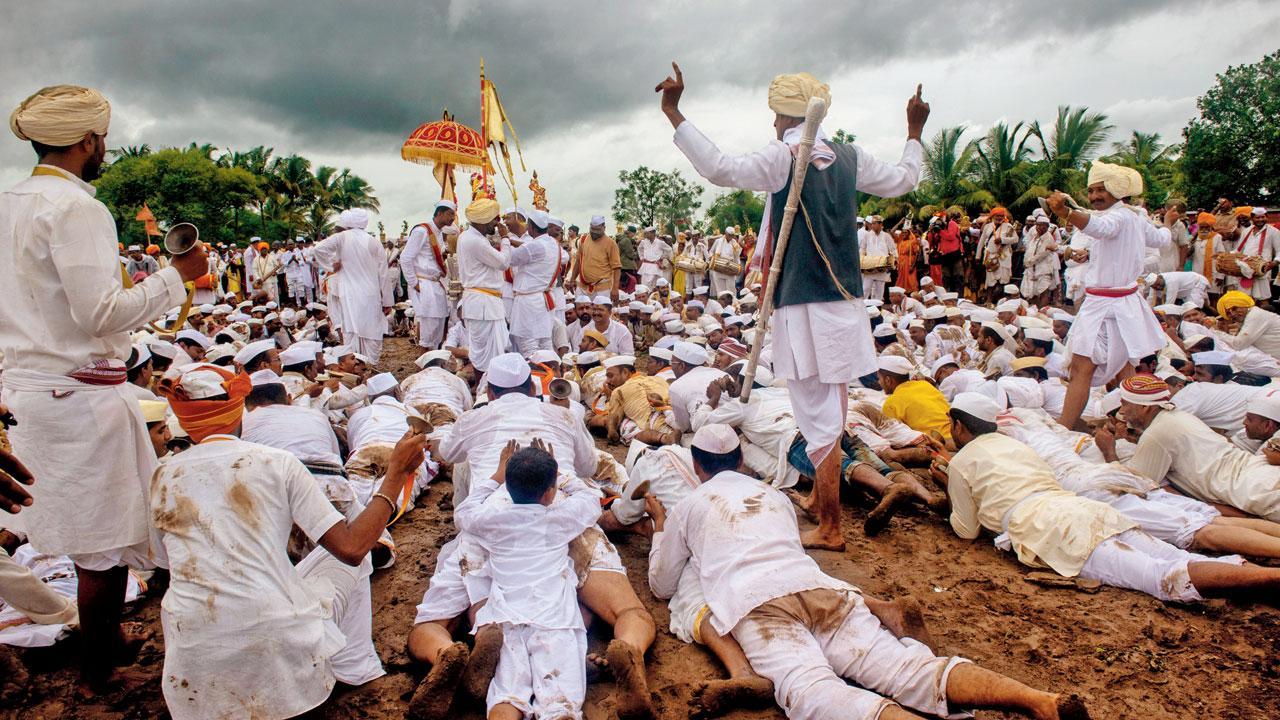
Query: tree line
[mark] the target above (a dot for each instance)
(229, 195)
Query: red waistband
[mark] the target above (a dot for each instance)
(1111, 292)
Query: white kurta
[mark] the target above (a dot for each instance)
(536, 263)
(996, 244)
(1263, 242)
(766, 420)
(365, 291)
(423, 274)
(1115, 331)
(1040, 266)
(246, 632)
(62, 308)
(1261, 330)
(688, 393)
(822, 343)
(480, 268)
(722, 247)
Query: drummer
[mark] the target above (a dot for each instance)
(877, 251)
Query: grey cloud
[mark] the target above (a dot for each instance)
(364, 75)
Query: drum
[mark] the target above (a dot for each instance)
(1225, 263)
(725, 266)
(876, 263)
(689, 264)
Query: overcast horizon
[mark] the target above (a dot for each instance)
(345, 86)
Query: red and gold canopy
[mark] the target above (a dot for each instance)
(445, 142)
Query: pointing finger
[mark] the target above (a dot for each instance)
(919, 89)
(679, 75)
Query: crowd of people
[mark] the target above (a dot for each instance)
(1094, 389)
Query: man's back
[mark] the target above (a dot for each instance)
(302, 431)
(480, 434)
(742, 538)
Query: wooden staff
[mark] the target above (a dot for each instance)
(813, 115)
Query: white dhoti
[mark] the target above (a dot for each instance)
(1135, 560)
(489, 339)
(368, 346)
(873, 286)
(1166, 516)
(357, 662)
(541, 672)
(810, 643)
(430, 331)
(688, 607)
(1113, 332)
(88, 448)
(819, 348)
(721, 283)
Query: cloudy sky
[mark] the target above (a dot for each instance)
(344, 84)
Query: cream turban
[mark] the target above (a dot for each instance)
(789, 94)
(482, 211)
(1120, 181)
(61, 115)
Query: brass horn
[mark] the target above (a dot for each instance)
(181, 239)
(560, 389)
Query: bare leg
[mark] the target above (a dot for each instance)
(1077, 390)
(743, 689)
(1258, 524)
(1214, 579)
(610, 596)
(505, 711)
(434, 695)
(427, 640)
(1224, 537)
(825, 502)
(907, 455)
(100, 595)
(483, 662)
(970, 686)
(610, 524)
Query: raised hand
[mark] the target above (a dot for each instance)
(917, 114)
(672, 88)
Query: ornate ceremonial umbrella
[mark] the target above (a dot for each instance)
(446, 145)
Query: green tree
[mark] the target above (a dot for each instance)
(1002, 162)
(1232, 149)
(948, 172)
(130, 151)
(844, 137)
(649, 197)
(739, 208)
(1075, 140)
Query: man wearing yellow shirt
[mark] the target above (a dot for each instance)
(637, 404)
(915, 402)
(1001, 485)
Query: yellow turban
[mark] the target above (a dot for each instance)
(482, 211)
(1243, 211)
(1122, 182)
(61, 115)
(789, 94)
(1233, 299)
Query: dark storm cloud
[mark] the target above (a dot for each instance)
(364, 74)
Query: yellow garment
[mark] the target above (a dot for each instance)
(631, 401)
(482, 211)
(789, 94)
(921, 406)
(1120, 181)
(998, 483)
(1233, 299)
(61, 115)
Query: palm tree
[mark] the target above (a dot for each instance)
(1153, 159)
(354, 191)
(1003, 162)
(292, 179)
(948, 174)
(131, 151)
(1077, 137)
(205, 149)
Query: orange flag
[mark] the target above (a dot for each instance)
(145, 216)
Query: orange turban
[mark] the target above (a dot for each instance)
(1243, 211)
(203, 417)
(153, 249)
(1205, 219)
(999, 212)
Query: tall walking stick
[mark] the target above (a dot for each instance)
(812, 117)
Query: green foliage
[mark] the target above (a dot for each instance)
(739, 208)
(844, 137)
(1155, 160)
(1232, 149)
(649, 197)
(230, 197)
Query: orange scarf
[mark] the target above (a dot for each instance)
(1207, 269)
(202, 418)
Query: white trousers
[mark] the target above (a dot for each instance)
(809, 643)
(872, 288)
(1135, 560)
(526, 345)
(541, 672)
(1166, 516)
(720, 283)
(357, 662)
(370, 347)
(430, 331)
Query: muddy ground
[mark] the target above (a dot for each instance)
(1127, 654)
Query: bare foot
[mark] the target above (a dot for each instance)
(802, 502)
(903, 617)
(120, 680)
(894, 498)
(1069, 707)
(819, 539)
(718, 697)
(631, 699)
(597, 668)
(483, 661)
(434, 695)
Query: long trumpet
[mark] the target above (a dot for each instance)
(180, 240)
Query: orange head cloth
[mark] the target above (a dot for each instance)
(202, 418)
(1206, 220)
(999, 212)
(153, 249)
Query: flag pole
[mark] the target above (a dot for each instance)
(812, 118)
